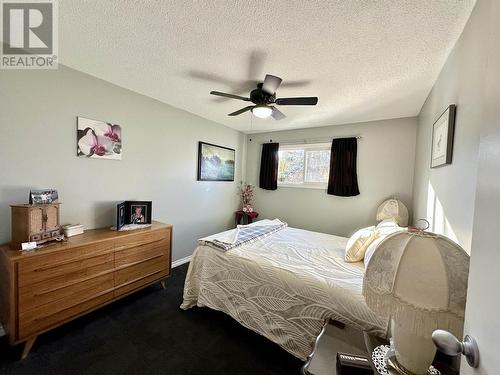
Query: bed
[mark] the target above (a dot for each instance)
(284, 286)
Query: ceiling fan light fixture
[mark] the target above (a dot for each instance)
(262, 111)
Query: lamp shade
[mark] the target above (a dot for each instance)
(420, 280)
(393, 209)
(262, 111)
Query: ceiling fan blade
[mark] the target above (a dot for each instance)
(232, 96)
(277, 114)
(295, 84)
(311, 100)
(240, 111)
(271, 84)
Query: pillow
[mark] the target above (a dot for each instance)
(372, 247)
(387, 226)
(358, 243)
(384, 228)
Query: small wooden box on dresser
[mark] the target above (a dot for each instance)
(34, 222)
(45, 288)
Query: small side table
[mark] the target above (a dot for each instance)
(372, 342)
(249, 215)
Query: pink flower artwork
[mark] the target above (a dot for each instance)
(98, 139)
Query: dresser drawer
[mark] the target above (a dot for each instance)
(41, 318)
(33, 296)
(60, 273)
(151, 267)
(139, 239)
(142, 253)
(131, 286)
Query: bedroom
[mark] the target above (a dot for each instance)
(383, 73)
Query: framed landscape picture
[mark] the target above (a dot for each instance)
(442, 138)
(215, 163)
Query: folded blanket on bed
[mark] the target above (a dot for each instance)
(243, 234)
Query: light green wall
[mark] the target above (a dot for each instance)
(385, 168)
(38, 111)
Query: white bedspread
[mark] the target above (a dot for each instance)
(284, 287)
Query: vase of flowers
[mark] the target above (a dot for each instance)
(246, 194)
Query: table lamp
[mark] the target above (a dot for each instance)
(393, 209)
(419, 280)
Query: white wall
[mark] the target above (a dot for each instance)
(445, 195)
(38, 111)
(482, 302)
(385, 168)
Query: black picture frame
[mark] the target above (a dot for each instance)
(202, 176)
(120, 215)
(125, 212)
(443, 130)
(145, 212)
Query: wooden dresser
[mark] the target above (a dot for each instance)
(45, 288)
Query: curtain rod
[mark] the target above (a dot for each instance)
(311, 140)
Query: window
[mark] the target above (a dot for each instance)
(304, 165)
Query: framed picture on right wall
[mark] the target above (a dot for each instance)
(442, 138)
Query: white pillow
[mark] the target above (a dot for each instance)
(387, 226)
(358, 243)
(384, 228)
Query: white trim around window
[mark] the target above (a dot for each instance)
(306, 147)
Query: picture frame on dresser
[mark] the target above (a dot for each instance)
(120, 215)
(133, 212)
(43, 196)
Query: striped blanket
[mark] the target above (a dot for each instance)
(244, 234)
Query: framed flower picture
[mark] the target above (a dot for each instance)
(98, 139)
(443, 132)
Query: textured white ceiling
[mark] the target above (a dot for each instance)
(365, 60)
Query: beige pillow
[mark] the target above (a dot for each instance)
(370, 250)
(358, 243)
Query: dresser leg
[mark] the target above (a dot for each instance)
(27, 347)
(163, 284)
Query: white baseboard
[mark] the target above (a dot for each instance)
(181, 261)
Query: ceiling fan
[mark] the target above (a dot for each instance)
(265, 95)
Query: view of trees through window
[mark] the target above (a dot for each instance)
(304, 165)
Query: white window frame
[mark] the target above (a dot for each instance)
(307, 147)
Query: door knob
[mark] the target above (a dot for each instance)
(449, 344)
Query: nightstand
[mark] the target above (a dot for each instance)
(249, 216)
(443, 363)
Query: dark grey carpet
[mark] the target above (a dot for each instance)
(147, 333)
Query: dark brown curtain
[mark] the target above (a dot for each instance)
(269, 166)
(343, 180)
